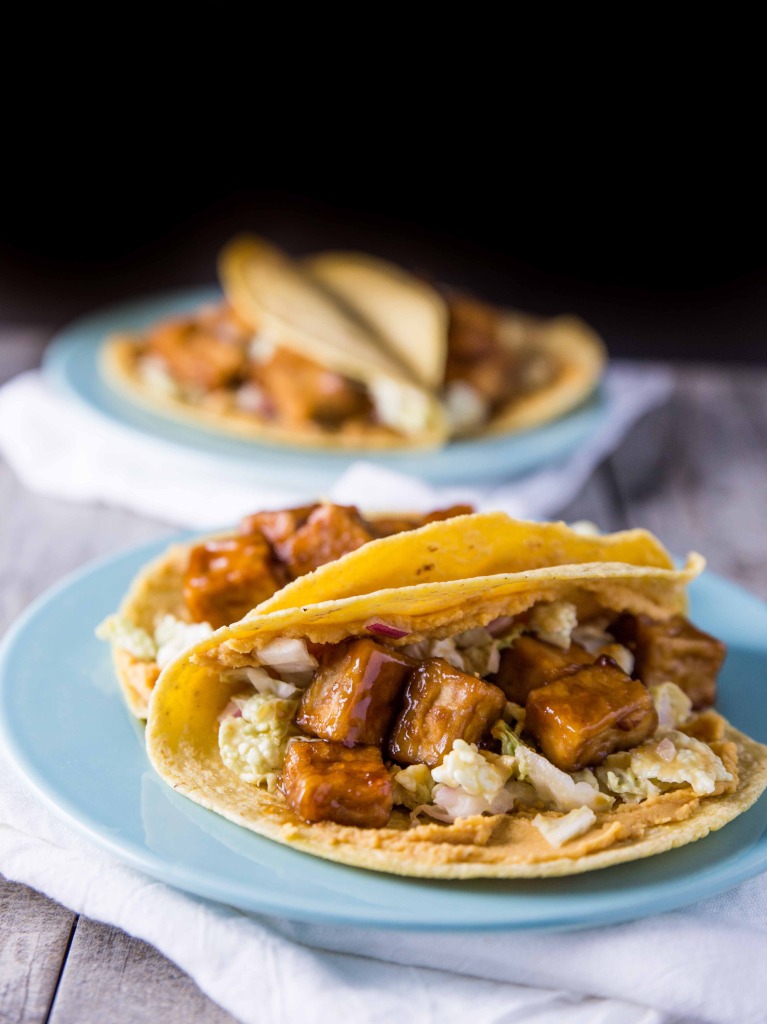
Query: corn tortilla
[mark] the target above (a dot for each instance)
(182, 733)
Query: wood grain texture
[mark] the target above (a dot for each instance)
(708, 491)
(34, 937)
(110, 976)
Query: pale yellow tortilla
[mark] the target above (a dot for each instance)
(482, 544)
(410, 316)
(182, 733)
(413, 320)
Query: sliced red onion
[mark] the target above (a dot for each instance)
(500, 625)
(433, 812)
(230, 711)
(385, 629)
(666, 750)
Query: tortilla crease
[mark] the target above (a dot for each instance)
(481, 544)
(191, 694)
(378, 290)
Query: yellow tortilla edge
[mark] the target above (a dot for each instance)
(490, 540)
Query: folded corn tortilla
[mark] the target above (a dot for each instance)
(273, 294)
(191, 694)
(479, 544)
(412, 318)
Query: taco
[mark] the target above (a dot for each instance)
(520, 722)
(195, 587)
(281, 359)
(497, 371)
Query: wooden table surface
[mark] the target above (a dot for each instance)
(695, 473)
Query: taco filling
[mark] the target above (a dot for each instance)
(214, 360)
(492, 361)
(526, 710)
(539, 714)
(196, 588)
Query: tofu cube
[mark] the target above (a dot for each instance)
(329, 532)
(673, 651)
(441, 705)
(329, 782)
(226, 578)
(356, 693)
(579, 719)
(531, 663)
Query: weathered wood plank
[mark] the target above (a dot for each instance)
(110, 976)
(709, 491)
(34, 938)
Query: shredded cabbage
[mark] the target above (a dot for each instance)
(173, 637)
(672, 704)
(118, 630)
(553, 622)
(557, 831)
(468, 768)
(412, 785)
(557, 787)
(253, 746)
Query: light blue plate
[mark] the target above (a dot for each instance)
(64, 723)
(71, 365)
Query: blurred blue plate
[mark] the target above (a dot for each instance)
(71, 365)
(64, 723)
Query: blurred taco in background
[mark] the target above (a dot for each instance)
(280, 359)
(195, 587)
(516, 721)
(496, 371)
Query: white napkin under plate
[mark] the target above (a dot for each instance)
(705, 963)
(60, 448)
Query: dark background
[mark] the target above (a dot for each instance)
(664, 265)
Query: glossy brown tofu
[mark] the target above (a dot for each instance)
(330, 532)
(673, 651)
(329, 782)
(355, 693)
(473, 329)
(302, 390)
(475, 354)
(277, 526)
(226, 578)
(385, 527)
(531, 663)
(581, 718)
(199, 353)
(441, 705)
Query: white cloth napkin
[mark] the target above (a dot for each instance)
(61, 448)
(705, 963)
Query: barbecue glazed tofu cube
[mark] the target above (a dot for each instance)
(531, 663)
(278, 526)
(330, 532)
(673, 651)
(581, 718)
(301, 390)
(197, 354)
(355, 693)
(329, 782)
(442, 704)
(398, 524)
(226, 578)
